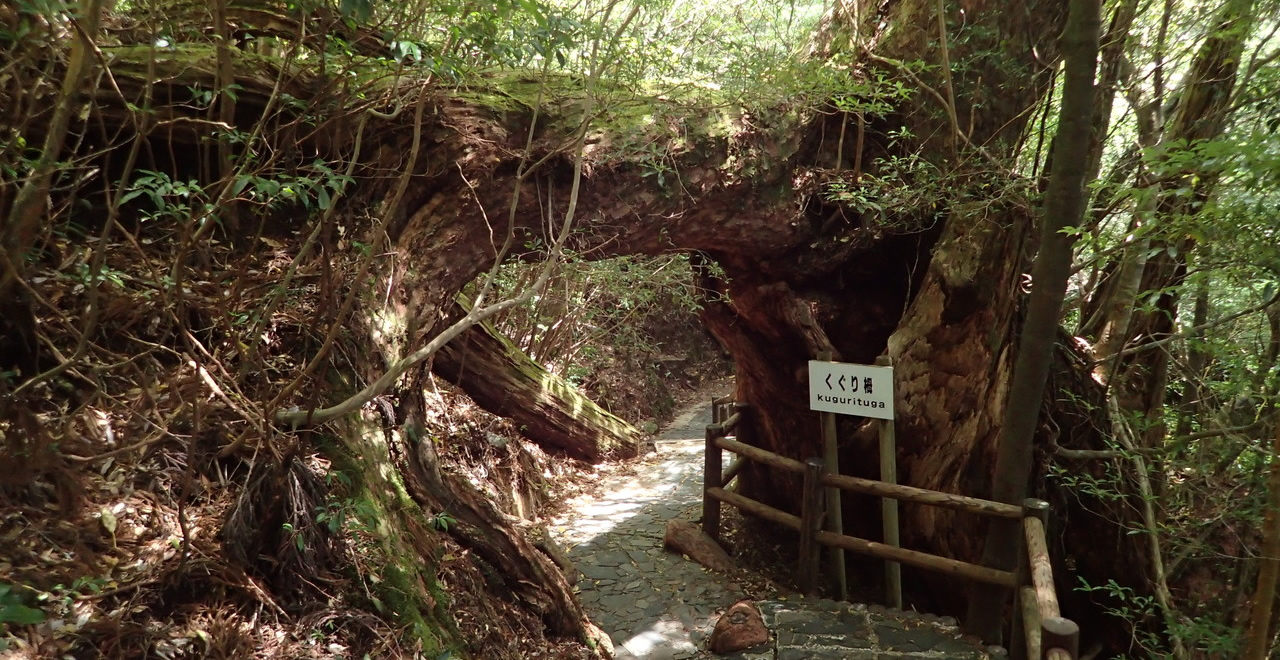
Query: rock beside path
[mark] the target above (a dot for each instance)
(688, 539)
(741, 628)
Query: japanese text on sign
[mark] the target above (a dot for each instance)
(851, 389)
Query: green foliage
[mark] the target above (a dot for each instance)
(16, 158)
(615, 328)
(14, 608)
(442, 521)
(894, 191)
(1109, 487)
(170, 199)
(1202, 633)
(746, 49)
(588, 301)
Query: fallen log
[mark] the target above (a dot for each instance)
(688, 539)
(548, 410)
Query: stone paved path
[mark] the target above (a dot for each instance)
(655, 605)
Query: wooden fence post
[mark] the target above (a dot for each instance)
(1046, 597)
(1021, 639)
(835, 513)
(1058, 634)
(711, 479)
(888, 505)
(810, 523)
(745, 428)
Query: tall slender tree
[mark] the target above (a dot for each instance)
(1063, 207)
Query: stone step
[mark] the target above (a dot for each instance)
(823, 629)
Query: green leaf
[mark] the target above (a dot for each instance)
(21, 615)
(239, 186)
(130, 195)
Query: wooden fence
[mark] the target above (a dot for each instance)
(1045, 634)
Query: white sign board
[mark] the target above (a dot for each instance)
(851, 389)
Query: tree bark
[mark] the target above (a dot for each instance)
(508, 550)
(1064, 206)
(499, 377)
(1258, 639)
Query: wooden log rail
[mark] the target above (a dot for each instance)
(1045, 634)
(721, 408)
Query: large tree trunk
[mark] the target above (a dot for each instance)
(507, 549)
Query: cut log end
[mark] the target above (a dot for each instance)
(686, 538)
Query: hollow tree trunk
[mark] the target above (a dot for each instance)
(941, 300)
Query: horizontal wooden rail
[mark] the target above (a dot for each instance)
(726, 426)
(753, 507)
(761, 455)
(878, 488)
(920, 559)
(923, 496)
(863, 546)
(732, 473)
(720, 408)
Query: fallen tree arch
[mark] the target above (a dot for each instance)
(932, 279)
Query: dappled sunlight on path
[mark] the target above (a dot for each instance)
(652, 603)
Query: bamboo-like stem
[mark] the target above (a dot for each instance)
(956, 135)
(1163, 597)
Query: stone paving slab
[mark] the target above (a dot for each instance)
(656, 605)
